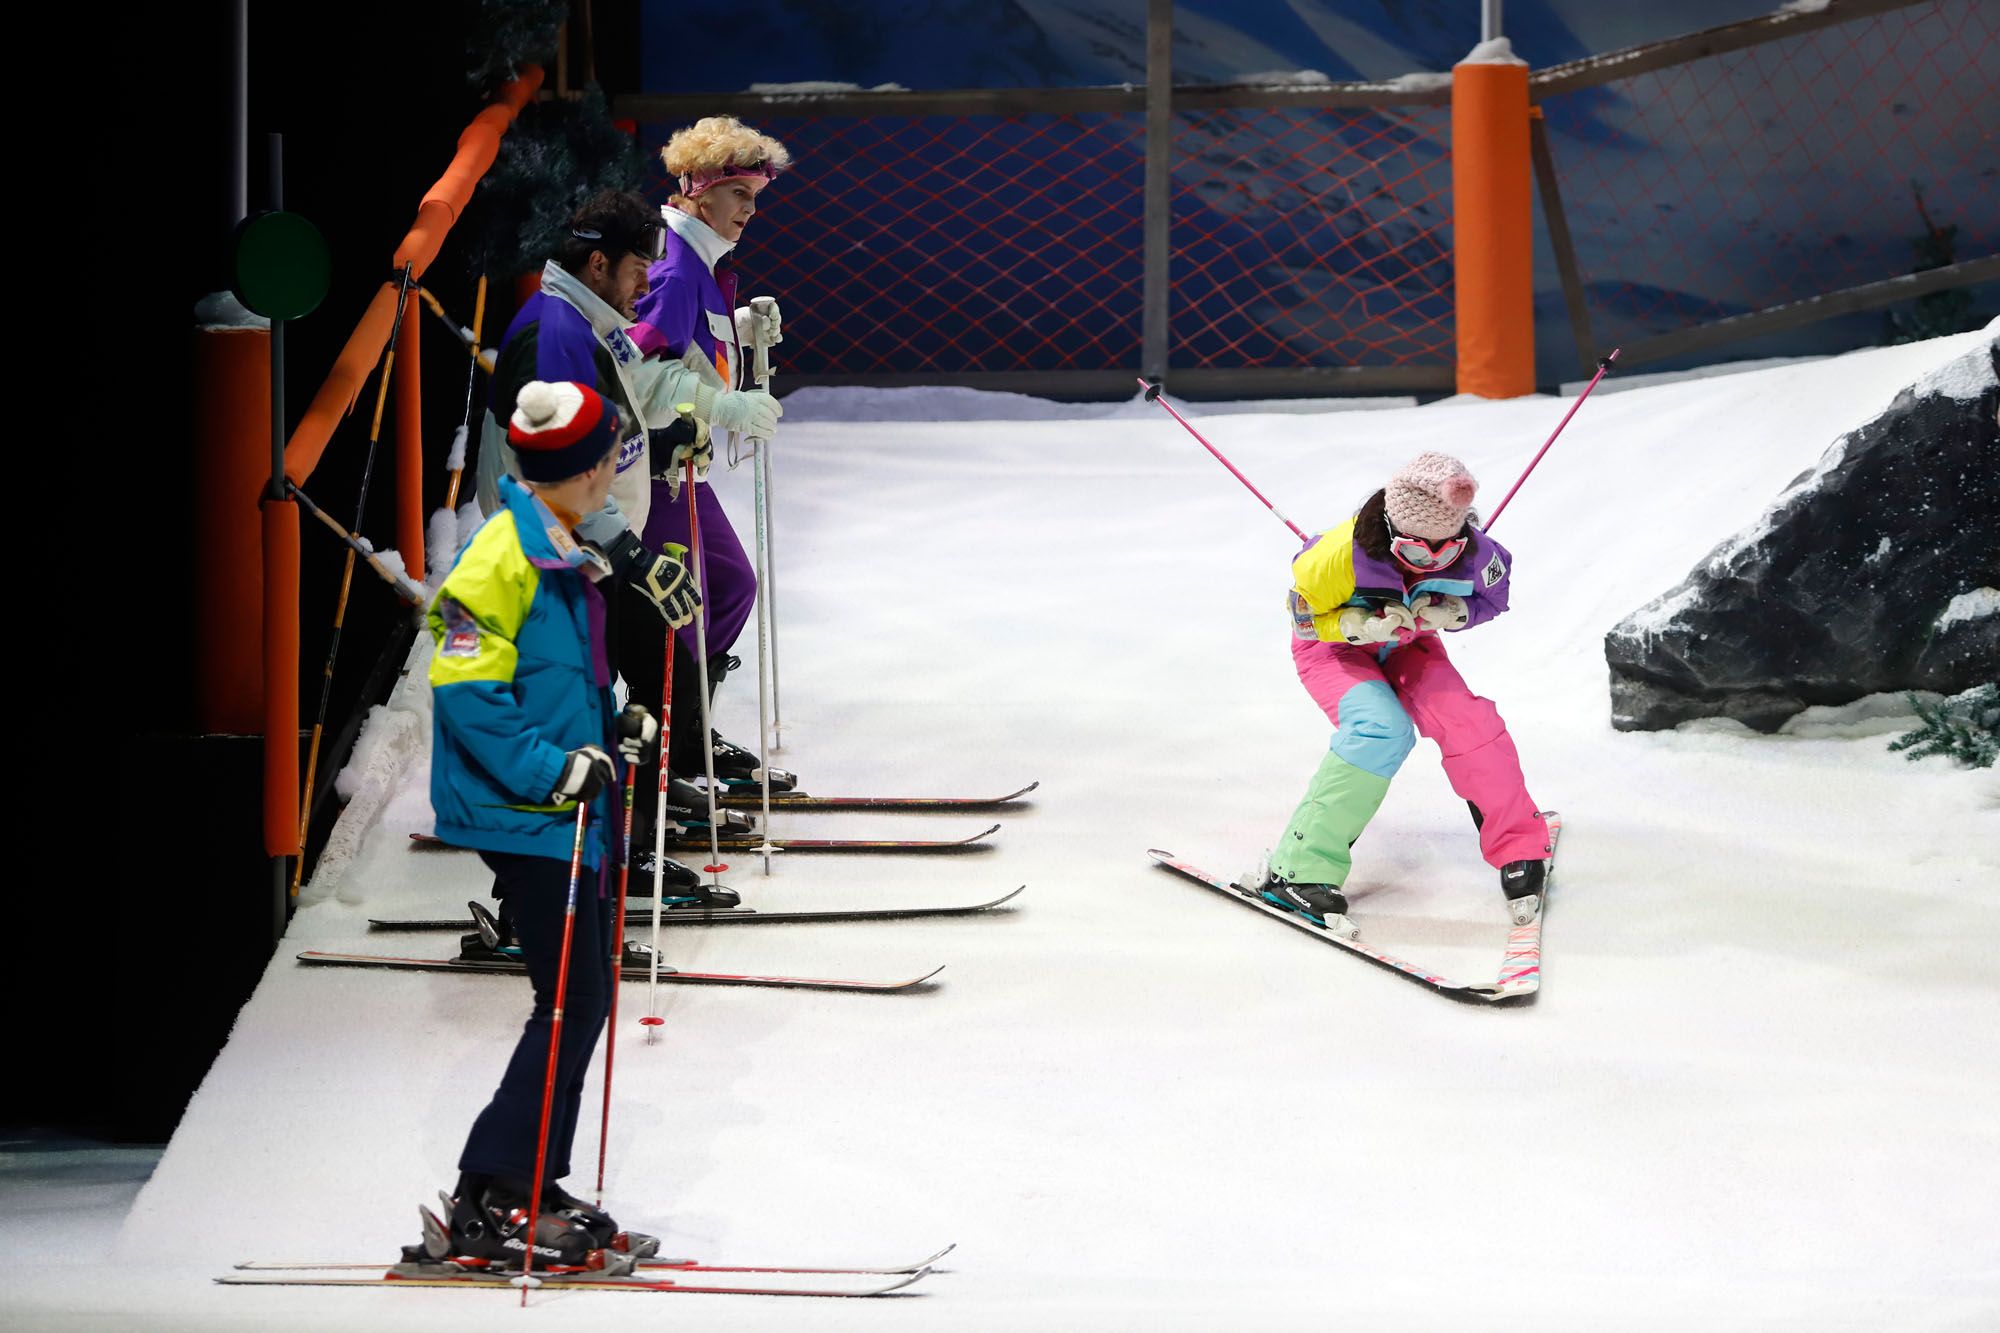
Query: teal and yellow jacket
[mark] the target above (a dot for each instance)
(520, 678)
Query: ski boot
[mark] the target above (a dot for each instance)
(492, 1232)
(637, 957)
(1322, 904)
(690, 811)
(490, 940)
(1522, 882)
(737, 767)
(604, 1232)
(684, 885)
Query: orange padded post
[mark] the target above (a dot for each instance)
(281, 678)
(409, 391)
(1492, 179)
(232, 413)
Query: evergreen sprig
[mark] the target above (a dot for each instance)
(557, 155)
(1965, 727)
(507, 34)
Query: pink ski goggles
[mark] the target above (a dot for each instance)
(1417, 554)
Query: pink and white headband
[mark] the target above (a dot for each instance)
(698, 183)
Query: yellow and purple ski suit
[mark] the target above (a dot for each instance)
(1381, 697)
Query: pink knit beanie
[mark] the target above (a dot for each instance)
(1430, 496)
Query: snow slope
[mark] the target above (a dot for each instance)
(1758, 1090)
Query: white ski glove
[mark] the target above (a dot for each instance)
(1438, 611)
(749, 323)
(586, 771)
(749, 411)
(1360, 625)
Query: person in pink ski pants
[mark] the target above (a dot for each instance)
(1369, 601)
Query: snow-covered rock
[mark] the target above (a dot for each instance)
(1867, 575)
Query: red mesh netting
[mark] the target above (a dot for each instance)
(952, 244)
(1312, 238)
(1755, 177)
(989, 243)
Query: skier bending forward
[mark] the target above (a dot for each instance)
(1368, 600)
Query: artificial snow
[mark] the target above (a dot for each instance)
(1974, 605)
(222, 311)
(1756, 1092)
(1494, 51)
(817, 88)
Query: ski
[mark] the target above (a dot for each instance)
(1521, 964)
(446, 1275)
(748, 798)
(753, 843)
(639, 914)
(630, 972)
(672, 1265)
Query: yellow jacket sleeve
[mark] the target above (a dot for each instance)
(1323, 579)
(478, 612)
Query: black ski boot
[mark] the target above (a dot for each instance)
(1315, 902)
(684, 885)
(490, 940)
(491, 1231)
(689, 807)
(1522, 882)
(737, 767)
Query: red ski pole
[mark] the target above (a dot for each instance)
(617, 969)
(1153, 396)
(527, 1278)
(1602, 366)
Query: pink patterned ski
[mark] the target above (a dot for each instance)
(1520, 975)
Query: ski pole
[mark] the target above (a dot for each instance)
(767, 559)
(617, 968)
(652, 1021)
(527, 1278)
(715, 867)
(347, 581)
(1153, 396)
(1602, 366)
(471, 377)
(406, 587)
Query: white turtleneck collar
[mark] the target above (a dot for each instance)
(703, 239)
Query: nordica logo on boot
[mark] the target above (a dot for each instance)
(541, 1251)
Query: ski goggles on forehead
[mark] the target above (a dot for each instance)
(650, 244)
(1416, 553)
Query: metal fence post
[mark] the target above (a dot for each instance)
(1159, 186)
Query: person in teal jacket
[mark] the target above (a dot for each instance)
(525, 731)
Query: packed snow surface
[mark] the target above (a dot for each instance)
(1758, 1090)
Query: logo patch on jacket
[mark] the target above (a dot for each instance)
(623, 349)
(461, 631)
(1493, 573)
(631, 451)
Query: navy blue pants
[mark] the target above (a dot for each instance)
(533, 890)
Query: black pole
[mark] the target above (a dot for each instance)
(280, 878)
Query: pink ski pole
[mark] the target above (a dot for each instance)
(1602, 366)
(1153, 396)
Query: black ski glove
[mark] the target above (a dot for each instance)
(663, 578)
(586, 771)
(638, 735)
(672, 446)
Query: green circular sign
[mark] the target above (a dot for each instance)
(280, 266)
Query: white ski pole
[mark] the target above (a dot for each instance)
(652, 1021)
(715, 867)
(767, 564)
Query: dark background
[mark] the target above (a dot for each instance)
(140, 844)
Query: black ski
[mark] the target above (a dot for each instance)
(750, 798)
(639, 915)
(640, 971)
(695, 842)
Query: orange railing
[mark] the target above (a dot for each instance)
(439, 210)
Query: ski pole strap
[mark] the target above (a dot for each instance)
(1153, 396)
(1602, 366)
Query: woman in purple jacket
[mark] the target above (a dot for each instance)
(689, 319)
(1368, 601)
